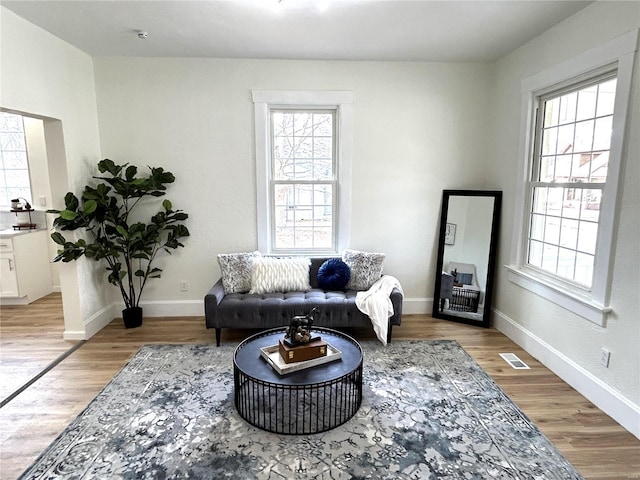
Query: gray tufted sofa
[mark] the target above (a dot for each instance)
(336, 309)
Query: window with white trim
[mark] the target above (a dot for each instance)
(303, 146)
(575, 118)
(303, 179)
(570, 164)
(14, 164)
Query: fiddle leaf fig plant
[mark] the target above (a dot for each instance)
(106, 213)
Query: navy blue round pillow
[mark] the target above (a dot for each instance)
(333, 274)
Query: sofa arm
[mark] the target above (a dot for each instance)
(211, 301)
(396, 301)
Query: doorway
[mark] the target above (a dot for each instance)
(33, 334)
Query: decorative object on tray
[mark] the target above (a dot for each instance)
(315, 349)
(273, 357)
(299, 331)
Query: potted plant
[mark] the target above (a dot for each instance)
(115, 236)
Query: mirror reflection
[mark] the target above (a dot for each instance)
(466, 255)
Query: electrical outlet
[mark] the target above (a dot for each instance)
(605, 357)
(184, 286)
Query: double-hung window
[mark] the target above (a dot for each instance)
(303, 171)
(14, 164)
(575, 116)
(570, 165)
(303, 179)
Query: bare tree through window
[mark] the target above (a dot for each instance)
(303, 179)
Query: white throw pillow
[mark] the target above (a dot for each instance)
(236, 271)
(366, 268)
(270, 274)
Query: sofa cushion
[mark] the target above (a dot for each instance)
(366, 268)
(236, 271)
(270, 274)
(333, 274)
(270, 310)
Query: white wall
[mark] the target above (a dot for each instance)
(416, 127)
(47, 78)
(569, 344)
(41, 184)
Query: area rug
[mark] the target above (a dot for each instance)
(428, 412)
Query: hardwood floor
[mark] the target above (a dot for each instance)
(31, 339)
(597, 446)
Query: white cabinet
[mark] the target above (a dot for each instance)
(8, 276)
(25, 274)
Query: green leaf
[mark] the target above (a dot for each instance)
(90, 206)
(122, 231)
(107, 165)
(181, 216)
(131, 172)
(166, 203)
(68, 215)
(71, 201)
(139, 273)
(58, 238)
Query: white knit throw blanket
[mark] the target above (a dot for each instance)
(376, 303)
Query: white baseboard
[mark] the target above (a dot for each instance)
(14, 301)
(169, 308)
(93, 324)
(173, 308)
(621, 409)
(74, 335)
(417, 306)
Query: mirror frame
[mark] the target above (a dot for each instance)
(493, 247)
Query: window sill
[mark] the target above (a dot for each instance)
(581, 305)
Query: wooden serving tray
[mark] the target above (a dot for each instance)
(272, 355)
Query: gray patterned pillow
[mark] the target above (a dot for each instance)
(366, 268)
(236, 271)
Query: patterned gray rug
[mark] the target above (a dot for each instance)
(428, 412)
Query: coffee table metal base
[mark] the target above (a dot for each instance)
(299, 408)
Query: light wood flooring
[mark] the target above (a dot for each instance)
(31, 336)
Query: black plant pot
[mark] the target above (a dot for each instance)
(132, 317)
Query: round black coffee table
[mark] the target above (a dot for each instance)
(307, 401)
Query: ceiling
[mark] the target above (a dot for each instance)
(382, 30)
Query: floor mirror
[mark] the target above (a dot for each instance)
(467, 247)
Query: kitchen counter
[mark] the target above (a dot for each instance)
(10, 232)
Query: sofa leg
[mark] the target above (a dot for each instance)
(389, 334)
(218, 330)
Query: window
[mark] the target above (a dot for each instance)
(303, 169)
(303, 179)
(14, 165)
(574, 117)
(570, 164)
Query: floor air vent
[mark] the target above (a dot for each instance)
(513, 360)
